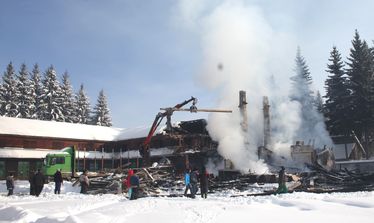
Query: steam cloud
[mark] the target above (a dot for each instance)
(241, 51)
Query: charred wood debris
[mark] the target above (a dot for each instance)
(163, 181)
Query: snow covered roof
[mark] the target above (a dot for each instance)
(52, 129)
(24, 153)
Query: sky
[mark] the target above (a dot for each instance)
(148, 54)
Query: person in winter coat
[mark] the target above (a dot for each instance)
(31, 181)
(204, 183)
(38, 180)
(134, 181)
(58, 181)
(128, 184)
(84, 181)
(282, 181)
(10, 184)
(187, 182)
(193, 182)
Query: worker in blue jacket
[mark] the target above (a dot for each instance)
(187, 182)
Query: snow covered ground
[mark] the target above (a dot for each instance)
(71, 206)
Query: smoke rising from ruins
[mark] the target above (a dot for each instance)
(242, 51)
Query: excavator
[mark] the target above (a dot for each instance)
(168, 112)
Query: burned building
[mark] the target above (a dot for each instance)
(188, 146)
(24, 144)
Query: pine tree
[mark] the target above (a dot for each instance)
(101, 111)
(318, 103)
(51, 99)
(24, 98)
(360, 71)
(9, 93)
(36, 92)
(337, 112)
(68, 99)
(312, 123)
(82, 112)
(301, 82)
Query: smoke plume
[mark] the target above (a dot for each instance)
(241, 51)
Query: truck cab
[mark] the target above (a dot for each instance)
(62, 160)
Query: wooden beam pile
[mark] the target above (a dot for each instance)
(153, 181)
(320, 180)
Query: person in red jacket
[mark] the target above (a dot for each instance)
(128, 183)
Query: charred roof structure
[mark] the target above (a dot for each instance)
(186, 147)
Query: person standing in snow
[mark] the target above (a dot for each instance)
(58, 181)
(128, 183)
(204, 183)
(282, 181)
(31, 181)
(84, 181)
(187, 182)
(10, 184)
(38, 180)
(193, 182)
(134, 181)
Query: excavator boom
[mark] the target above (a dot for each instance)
(168, 112)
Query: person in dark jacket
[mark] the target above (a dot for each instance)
(84, 181)
(193, 182)
(10, 184)
(31, 181)
(58, 181)
(282, 181)
(204, 183)
(134, 182)
(38, 180)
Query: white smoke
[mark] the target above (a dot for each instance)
(240, 51)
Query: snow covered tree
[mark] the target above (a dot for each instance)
(301, 81)
(337, 112)
(24, 98)
(36, 92)
(68, 99)
(82, 110)
(312, 125)
(318, 102)
(51, 97)
(9, 92)
(101, 114)
(360, 74)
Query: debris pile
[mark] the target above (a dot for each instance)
(154, 181)
(163, 181)
(241, 182)
(319, 180)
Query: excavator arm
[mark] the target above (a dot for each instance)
(144, 150)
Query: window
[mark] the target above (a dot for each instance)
(57, 160)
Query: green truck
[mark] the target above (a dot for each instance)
(63, 160)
